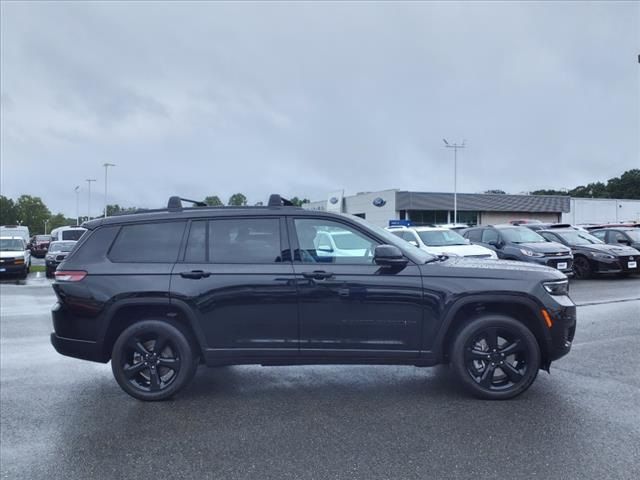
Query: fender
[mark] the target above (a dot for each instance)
(505, 298)
(154, 302)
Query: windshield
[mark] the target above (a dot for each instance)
(420, 255)
(634, 234)
(61, 246)
(72, 234)
(441, 238)
(11, 245)
(579, 238)
(521, 235)
(42, 238)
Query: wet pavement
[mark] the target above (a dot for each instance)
(63, 418)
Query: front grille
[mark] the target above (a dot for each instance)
(7, 261)
(60, 257)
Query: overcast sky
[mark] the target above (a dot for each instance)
(303, 99)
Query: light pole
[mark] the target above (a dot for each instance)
(106, 169)
(455, 147)
(77, 190)
(89, 180)
(45, 226)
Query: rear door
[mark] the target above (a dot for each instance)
(236, 275)
(349, 306)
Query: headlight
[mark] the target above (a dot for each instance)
(560, 287)
(604, 256)
(49, 256)
(450, 254)
(531, 253)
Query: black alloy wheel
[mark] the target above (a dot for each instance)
(153, 359)
(496, 357)
(582, 267)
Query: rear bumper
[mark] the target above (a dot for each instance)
(82, 349)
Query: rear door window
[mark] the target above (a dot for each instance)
(148, 243)
(244, 240)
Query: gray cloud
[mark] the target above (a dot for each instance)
(214, 98)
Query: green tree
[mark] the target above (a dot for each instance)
(625, 186)
(58, 220)
(299, 202)
(32, 212)
(237, 200)
(213, 201)
(7, 211)
(595, 190)
(496, 192)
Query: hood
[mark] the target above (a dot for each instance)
(617, 250)
(488, 268)
(460, 250)
(544, 247)
(12, 254)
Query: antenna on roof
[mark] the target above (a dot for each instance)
(276, 200)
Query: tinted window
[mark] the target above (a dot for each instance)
(550, 236)
(94, 248)
(196, 251)
(489, 235)
(618, 237)
(150, 243)
(245, 241)
(351, 246)
(599, 234)
(440, 238)
(474, 235)
(71, 234)
(521, 235)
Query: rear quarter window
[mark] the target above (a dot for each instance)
(148, 243)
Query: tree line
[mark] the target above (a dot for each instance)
(626, 186)
(32, 212)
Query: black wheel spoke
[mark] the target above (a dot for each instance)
(154, 379)
(172, 363)
(511, 348)
(513, 374)
(487, 376)
(491, 338)
(137, 346)
(474, 354)
(160, 344)
(132, 370)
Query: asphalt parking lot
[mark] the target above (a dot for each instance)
(65, 418)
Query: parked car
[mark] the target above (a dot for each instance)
(58, 251)
(591, 255)
(39, 245)
(613, 225)
(67, 233)
(526, 221)
(341, 243)
(15, 258)
(628, 236)
(15, 231)
(442, 241)
(512, 242)
(161, 291)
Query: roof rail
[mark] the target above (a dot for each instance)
(175, 203)
(276, 200)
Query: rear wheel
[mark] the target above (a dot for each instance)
(153, 359)
(495, 357)
(582, 267)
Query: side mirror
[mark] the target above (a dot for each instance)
(623, 241)
(389, 256)
(495, 243)
(413, 242)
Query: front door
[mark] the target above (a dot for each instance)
(348, 305)
(237, 276)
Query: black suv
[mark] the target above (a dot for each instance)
(159, 292)
(521, 243)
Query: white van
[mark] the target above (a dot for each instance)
(67, 233)
(15, 231)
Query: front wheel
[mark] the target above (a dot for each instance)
(582, 268)
(495, 357)
(153, 359)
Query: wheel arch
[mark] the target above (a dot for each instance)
(519, 307)
(127, 312)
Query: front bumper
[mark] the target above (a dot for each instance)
(554, 262)
(12, 269)
(560, 335)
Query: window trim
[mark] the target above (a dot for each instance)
(135, 224)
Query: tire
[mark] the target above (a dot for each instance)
(582, 267)
(23, 274)
(147, 374)
(479, 369)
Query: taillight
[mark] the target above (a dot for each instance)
(70, 275)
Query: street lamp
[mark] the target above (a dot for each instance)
(106, 169)
(455, 147)
(89, 180)
(45, 226)
(77, 190)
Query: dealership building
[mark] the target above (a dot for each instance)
(476, 208)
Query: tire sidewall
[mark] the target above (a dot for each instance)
(471, 329)
(180, 340)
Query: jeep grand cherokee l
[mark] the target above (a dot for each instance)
(159, 292)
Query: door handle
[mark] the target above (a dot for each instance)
(195, 274)
(317, 275)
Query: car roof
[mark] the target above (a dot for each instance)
(11, 238)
